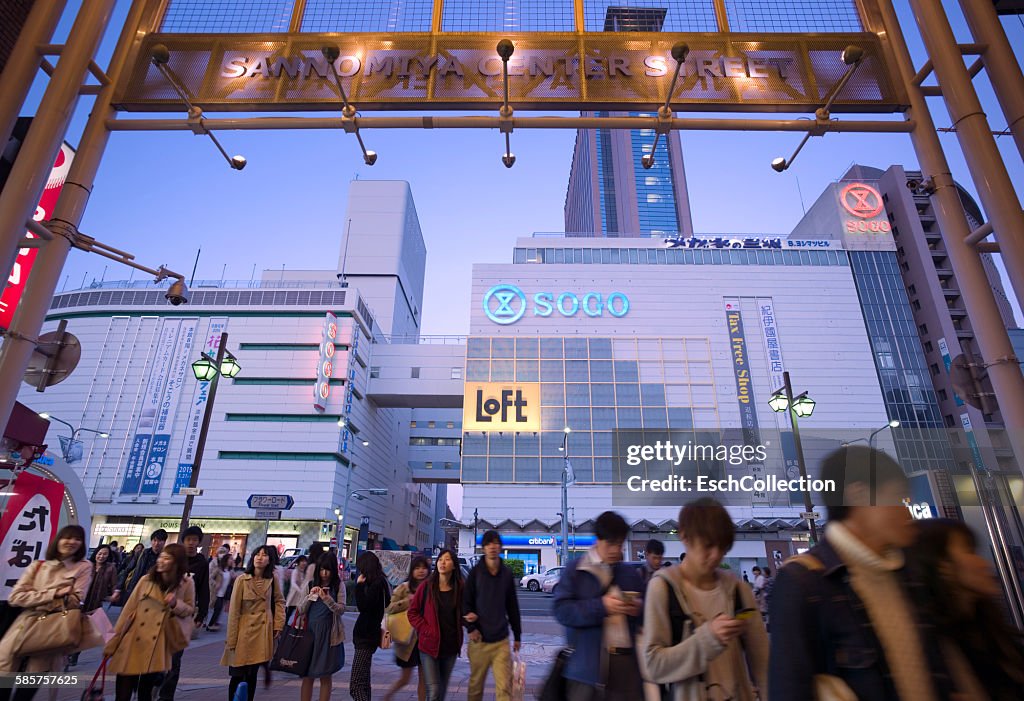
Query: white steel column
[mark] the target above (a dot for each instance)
(979, 300)
(979, 146)
(35, 159)
(24, 61)
(1000, 64)
(35, 302)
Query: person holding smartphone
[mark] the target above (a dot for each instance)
(324, 605)
(704, 636)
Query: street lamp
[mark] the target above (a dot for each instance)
(871, 439)
(206, 369)
(800, 406)
(568, 479)
(358, 493)
(68, 448)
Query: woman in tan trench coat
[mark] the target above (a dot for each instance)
(255, 620)
(155, 624)
(65, 572)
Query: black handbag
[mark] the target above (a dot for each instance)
(294, 649)
(554, 687)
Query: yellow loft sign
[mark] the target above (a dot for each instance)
(497, 406)
(623, 71)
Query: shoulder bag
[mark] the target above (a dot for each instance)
(385, 634)
(294, 651)
(49, 630)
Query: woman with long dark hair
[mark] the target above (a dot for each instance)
(372, 597)
(255, 621)
(102, 587)
(323, 606)
(43, 586)
(958, 592)
(435, 614)
(407, 654)
(156, 624)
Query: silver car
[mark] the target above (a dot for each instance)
(551, 581)
(534, 581)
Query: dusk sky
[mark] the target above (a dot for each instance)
(162, 195)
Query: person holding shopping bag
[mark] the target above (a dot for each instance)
(102, 588)
(407, 654)
(60, 581)
(156, 624)
(323, 607)
(255, 621)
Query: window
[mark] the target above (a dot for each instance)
(450, 424)
(412, 424)
(916, 305)
(934, 368)
(948, 418)
(374, 372)
(942, 395)
(429, 465)
(456, 373)
(415, 373)
(923, 329)
(912, 290)
(928, 346)
(431, 424)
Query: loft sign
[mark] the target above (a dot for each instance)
(506, 304)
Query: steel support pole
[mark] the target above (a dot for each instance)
(1003, 70)
(811, 522)
(344, 509)
(197, 463)
(35, 301)
(979, 300)
(976, 141)
(563, 550)
(23, 63)
(28, 177)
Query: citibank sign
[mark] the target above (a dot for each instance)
(506, 304)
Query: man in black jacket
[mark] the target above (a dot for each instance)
(199, 570)
(490, 606)
(146, 561)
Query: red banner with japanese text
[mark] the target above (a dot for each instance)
(27, 256)
(28, 524)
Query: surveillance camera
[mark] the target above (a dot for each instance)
(331, 53)
(370, 157)
(509, 160)
(680, 51)
(913, 184)
(852, 54)
(505, 49)
(177, 293)
(647, 161)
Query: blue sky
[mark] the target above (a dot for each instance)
(162, 195)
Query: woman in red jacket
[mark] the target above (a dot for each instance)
(434, 613)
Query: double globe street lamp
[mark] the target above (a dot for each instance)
(207, 369)
(798, 407)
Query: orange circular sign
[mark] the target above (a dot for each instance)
(861, 200)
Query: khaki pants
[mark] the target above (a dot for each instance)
(483, 656)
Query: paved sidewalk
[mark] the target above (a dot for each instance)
(202, 677)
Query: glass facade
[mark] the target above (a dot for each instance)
(921, 442)
(655, 192)
(594, 386)
(606, 181)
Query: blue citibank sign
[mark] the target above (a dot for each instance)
(506, 304)
(514, 540)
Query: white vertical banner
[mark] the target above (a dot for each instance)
(145, 424)
(163, 430)
(197, 408)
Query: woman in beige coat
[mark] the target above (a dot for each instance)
(65, 572)
(255, 620)
(156, 623)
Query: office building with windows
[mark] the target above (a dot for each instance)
(274, 427)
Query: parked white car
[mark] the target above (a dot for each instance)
(551, 580)
(534, 581)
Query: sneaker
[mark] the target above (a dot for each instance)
(214, 628)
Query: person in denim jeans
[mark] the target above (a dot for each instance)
(841, 613)
(435, 614)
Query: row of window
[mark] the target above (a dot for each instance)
(454, 442)
(230, 298)
(678, 256)
(434, 424)
(594, 371)
(626, 349)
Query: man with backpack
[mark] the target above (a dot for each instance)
(703, 634)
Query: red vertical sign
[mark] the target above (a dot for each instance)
(28, 524)
(27, 256)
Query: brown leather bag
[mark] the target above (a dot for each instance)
(49, 630)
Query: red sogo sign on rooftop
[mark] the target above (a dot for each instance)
(27, 256)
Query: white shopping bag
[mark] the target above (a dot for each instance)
(518, 678)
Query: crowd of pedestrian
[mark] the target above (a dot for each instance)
(882, 608)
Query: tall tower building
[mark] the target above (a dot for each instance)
(610, 194)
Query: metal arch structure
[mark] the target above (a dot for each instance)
(725, 71)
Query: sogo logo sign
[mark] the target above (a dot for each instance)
(506, 304)
(865, 203)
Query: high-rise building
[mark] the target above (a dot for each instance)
(610, 193)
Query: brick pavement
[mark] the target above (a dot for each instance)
(202, 677)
